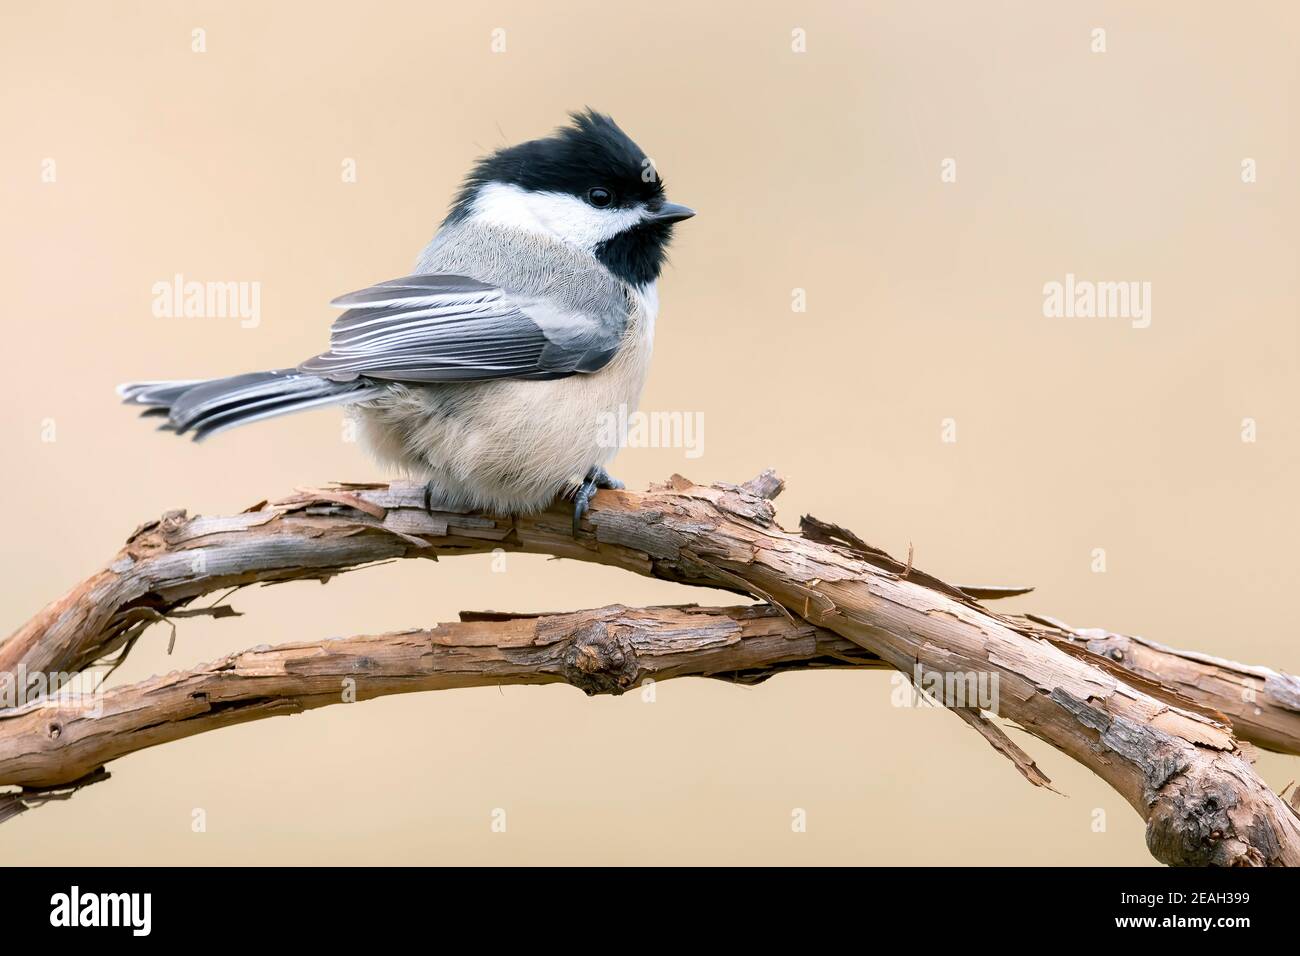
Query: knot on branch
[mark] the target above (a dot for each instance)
(1194, 825)
(599, 661)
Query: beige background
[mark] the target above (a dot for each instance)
(817, 171)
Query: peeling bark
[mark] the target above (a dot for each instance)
(608, 650)
(1163, 748)
(1261, 704)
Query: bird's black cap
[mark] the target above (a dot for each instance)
(591, 151)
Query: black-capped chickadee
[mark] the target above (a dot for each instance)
(529, 320)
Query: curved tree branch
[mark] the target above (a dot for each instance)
(607, 650)
(1168, 750)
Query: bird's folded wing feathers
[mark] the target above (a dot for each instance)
(446, 328)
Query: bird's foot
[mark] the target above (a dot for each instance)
(596, 478)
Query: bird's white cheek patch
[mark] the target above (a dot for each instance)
(565, 217)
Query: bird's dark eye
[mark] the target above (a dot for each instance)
(600, 197)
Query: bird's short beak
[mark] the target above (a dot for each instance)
(670, 212)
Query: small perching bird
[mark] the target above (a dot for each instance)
(491, 371)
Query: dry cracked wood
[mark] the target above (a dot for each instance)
(605, 650)
(1261, 704)
(1168, 751)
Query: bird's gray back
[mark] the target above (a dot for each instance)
(529, 265)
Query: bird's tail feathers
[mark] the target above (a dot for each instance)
(206, 407)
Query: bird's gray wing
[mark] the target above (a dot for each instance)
(446, 328)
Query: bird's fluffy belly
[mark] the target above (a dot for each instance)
(507, 446)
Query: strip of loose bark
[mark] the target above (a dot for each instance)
(15, 802)
(1182, 770)
(607, 650)
(1261, 704)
